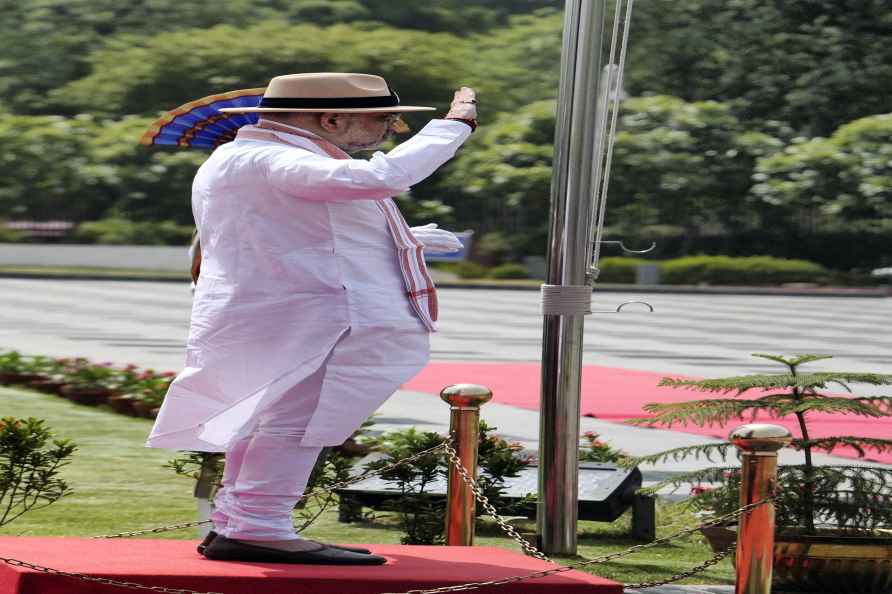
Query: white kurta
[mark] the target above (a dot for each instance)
(299, 270)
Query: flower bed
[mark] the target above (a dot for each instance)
(127, 390)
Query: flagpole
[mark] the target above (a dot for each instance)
(568, 274)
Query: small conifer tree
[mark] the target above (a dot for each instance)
(810, 497)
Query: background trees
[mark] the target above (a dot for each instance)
(753, 127)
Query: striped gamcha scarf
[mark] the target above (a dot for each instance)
(419, 285)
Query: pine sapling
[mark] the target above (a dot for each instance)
(811, 496)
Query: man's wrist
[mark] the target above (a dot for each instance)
(472, 122)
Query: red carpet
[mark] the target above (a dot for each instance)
(174, 563)
(613, 394)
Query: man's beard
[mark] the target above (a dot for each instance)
(356, 148)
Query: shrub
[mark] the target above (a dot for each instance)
(598, 450)
(493, 247)
(117, 231)
(507, 271)
(619, 270)
(725, 270)
(29, 467)
(421, 513)
(468, 269)
(8, 235)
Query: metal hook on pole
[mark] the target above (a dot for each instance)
(623, 247)
(620, 307)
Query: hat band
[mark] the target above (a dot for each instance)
(391, 100)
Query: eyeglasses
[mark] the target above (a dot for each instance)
(393, 121)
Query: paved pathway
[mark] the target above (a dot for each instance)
(146, 323)
(687, 334)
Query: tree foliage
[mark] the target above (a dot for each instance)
(30, 461)
(761, 124)
(809, 495)
(82, 169)
(828, 182)
(144, 75)
(813, 64)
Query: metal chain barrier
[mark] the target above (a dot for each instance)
(315, 492)
(684, 574)
(98, 580)
(609, 557)
(491, 511)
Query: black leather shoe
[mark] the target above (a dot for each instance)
(225, 549)
(207, 540)
(359, 550)
(212, 535)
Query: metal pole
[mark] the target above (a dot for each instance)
(759, 445)
(572, 194)
(464, 424)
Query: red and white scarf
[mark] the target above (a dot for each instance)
(419, 286)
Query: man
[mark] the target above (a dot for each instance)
(313, 304)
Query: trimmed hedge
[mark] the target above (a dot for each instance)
(695, 270)
(620, 270)
(509, 271)
(719, 270)
(753, 270)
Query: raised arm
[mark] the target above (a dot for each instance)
(315, 177)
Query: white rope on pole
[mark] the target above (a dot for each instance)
(602, 201)
(601, 136)
(566, 300)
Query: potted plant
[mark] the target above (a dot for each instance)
(49, 374)
(88, 383)
(149, 392)
(834, 523)
(16, 369)
(126, 381)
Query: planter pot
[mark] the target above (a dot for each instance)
(143, 408)
(48, 386)
(122, 404)
(840, 562)
(13, 377)
(832, 561)
(720, 537)
(90, 395)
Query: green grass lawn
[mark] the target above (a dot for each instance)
(120, 485)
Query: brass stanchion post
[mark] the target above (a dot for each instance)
(759, 445)
(464, 424)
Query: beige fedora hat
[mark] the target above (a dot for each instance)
(328, 91)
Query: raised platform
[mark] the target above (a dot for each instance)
(176, 564)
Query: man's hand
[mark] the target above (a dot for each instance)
(464, 105)
(436, 240)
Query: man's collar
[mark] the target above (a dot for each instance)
(294, 136)
(286, 128)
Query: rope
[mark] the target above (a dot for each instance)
(566, 300)
(602, 199)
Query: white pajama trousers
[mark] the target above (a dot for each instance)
(267, 472)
